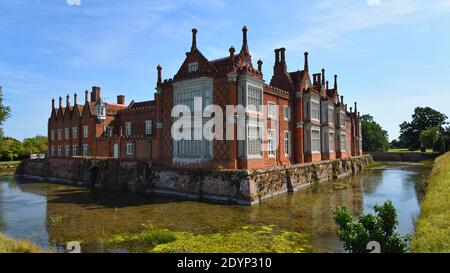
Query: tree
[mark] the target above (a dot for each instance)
(356, 234)
(374, 138)
(5, 112)
(37, 144)
(10, 148)
(429, 138)
(423, 118)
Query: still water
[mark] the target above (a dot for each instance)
(51, 215)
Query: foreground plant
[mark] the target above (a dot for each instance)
(357, 233)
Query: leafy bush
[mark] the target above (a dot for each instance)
(357, 233)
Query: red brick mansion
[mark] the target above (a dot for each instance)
(312, 123)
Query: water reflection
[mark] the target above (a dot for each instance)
(52, 214)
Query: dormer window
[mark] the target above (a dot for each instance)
(192, 67)
(100, 110)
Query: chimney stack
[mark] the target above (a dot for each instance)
(95, 95)
(86, 96)
(260, 63)
(323, 76)
(194, 39)
(335, 82)
(283, 57)
(53, 103)
(60, 102)
(306, 68)
(356, 107)
(277, 56)
(75, 98)
(67, 100)
(159, 81)
(121, 99)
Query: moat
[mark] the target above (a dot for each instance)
(51, 215)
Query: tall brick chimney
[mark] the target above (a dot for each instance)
(121, 99)
(323, 76)
(159, 81)
(194, 39)
(95, 94)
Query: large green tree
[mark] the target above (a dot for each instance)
(374, 138)
(37, 144)
(5, 112)
(423, 118)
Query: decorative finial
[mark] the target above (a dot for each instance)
(244, 40)
(60, 102)
(335, 83)
(323, 76)
(260, 63)
(159, 68)
(86, 94)
(75, 98)
(53, 103)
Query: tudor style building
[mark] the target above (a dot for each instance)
(313, 123)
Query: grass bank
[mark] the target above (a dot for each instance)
(3, 163)
(10, 245)
(433, 226)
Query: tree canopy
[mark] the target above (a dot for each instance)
(5, 112)
(423, 119)
(374, 138)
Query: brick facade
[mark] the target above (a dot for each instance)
(309, 122)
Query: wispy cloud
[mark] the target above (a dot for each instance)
(334, 19)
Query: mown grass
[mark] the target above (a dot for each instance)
(433, 226)
(253, 239)
(10, 245)
(405, 150)
(9, 162)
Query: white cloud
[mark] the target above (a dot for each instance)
(373, 2)
(73, 2)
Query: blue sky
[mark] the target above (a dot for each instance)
(391, 56)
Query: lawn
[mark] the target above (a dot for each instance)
(433, 226)
(10, 162)
(405, 150)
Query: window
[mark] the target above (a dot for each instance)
(109, 130)
(342, 118)
(331, 141)
(67, 133)
(330, 115)
(343, 142)
(254, 98)
(315, 110)
(271, 110)
(193, 67)
(85, 131)
(287, 143)
(254, 140)
(128, 128)
(315, 141)
(74, 132)
(130, 148)
(270, 142)
(59, 134)
(148, 127)
(287, 113)
(52, 135)
(59, 150)
(74, 150)
(85, 149)
(52, 151)
(67, 151)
